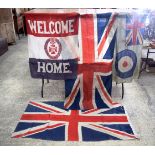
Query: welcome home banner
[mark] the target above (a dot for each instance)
(52, 44)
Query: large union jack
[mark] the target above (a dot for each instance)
(50, 121)
(92, 87)
(135, 29)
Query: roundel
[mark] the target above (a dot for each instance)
(53, 48)
(125, 65)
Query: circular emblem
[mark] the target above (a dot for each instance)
(53, 48)
(125, 65)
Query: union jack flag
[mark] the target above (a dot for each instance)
(135, 28)
(92, 87)
(50, 121)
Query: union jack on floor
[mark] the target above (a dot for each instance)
(50, 121)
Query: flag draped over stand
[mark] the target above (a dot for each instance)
(129, 47)
(92, 88)
(88, 112)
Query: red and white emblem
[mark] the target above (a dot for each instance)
(53, 48)
(125, 64)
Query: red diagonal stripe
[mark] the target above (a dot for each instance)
(114, 131)
(90, 111)
(104, 92)
(73, 93)
(37, 130)
(106, 35)
(44, 107)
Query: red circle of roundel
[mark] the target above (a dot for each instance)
(129, 72)
(53, 48)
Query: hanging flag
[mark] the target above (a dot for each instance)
(52, 44)
(50, 121)
(92, 87)
(128, 49)
(135, 27)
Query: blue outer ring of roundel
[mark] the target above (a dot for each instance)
(121, 54)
